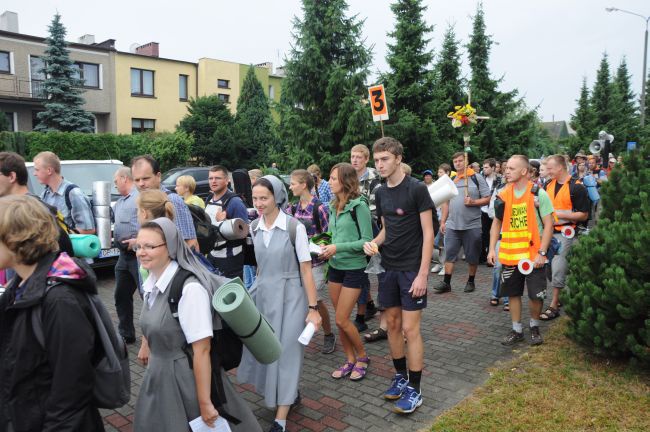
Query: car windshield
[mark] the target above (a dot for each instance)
(169, 178)
(83, 175)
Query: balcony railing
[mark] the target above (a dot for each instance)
(21, 87)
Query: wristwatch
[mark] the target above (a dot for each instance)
(542, 253)
(313, 307)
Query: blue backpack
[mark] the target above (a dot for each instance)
(589, 181)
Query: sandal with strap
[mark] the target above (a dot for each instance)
(506, 307)
(494, 302)
(361, 371)
(549, 314)
(376, 335)
(343, 371)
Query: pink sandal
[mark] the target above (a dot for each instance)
(361, 370)
(343, 371)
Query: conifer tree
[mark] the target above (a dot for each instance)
(608, 295)
(583, 121)
(624, 124)
(210, 123)
(64, 105)
(601, 95)
(322, 110)
(256, 137)
(448, 92)
(409, 85)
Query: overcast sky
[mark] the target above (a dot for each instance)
(544, 47)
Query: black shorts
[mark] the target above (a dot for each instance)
(349, 278)
(394, 289)
(512, 283)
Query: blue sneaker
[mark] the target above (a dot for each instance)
(396, 387)
(409, 401)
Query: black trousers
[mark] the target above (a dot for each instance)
(486, 225)
(127, 280)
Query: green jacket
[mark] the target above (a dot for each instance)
(349, 245)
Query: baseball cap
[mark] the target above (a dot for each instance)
(427, 172)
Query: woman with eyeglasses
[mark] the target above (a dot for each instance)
(177, 388)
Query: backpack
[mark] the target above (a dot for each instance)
(68, 204)
(225, 347)
(474, 180)
(206, 233)
(225, 200)
(65, 244)
(112, 387)
(315, 217)
(249, 248)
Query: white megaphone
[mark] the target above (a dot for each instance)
(442, 190)
(596, 146)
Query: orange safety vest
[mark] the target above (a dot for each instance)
(561, 201)
(519, 231)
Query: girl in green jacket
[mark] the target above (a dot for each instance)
(351, 227)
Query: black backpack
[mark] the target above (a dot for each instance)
(225, 346)
(206, 233)
(112, 387)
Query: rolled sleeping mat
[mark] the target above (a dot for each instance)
(238, 309)
(103, 227)
(85, 245)
(442, 190)
(102, 212)
(102, 193)
(233, 229)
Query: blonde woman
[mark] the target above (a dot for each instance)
(153, 204)
(185, 187)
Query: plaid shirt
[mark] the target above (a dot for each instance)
(80, 215)
(306, 214)
(324, 192)
(182, 218)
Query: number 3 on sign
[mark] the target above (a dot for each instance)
(378, 103)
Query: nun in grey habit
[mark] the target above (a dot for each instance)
(168, 397)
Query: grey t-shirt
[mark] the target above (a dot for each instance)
(462, 217)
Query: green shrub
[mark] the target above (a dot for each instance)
(608, 298)
(171, 149)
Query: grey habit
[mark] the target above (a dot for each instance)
(280, 297)
(167, 399)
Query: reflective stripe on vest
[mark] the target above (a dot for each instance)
(561, 201)
(519, 230)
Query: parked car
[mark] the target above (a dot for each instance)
(83, 173)
(200, 175)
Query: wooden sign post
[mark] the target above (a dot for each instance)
(378, 105)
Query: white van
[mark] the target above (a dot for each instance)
(83, 173)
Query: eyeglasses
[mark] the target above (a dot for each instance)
(146, 248)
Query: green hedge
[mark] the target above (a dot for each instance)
(170, 149)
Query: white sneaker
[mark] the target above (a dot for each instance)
(436, 268)
(442, 272)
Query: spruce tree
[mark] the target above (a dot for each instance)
(322, 111)
(256, 138)
(64, 105)
(583, 120)
(448, 92)
(213, 127)
(409, 85)
(624, 124)
(513, 128)
(608, 295)
(601, 95)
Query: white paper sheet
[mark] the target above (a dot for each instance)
(198, 425)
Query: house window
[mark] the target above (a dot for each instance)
(142, 125)
(88, 73)
(141, 82)
(271, 92)
(10, 121)
(224, 97)
(5, 62)
(37, 76)
(182, 87)
(222, 83)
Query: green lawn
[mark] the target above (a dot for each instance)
(555, 387)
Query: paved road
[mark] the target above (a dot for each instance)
(461, 334)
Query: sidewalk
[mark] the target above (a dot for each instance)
(462, 335)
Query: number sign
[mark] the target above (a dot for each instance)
(378, 103)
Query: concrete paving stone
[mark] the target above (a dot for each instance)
(462, 335)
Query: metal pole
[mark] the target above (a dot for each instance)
(643, 77)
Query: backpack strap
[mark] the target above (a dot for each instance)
(535, 191)
(68, 201)
(315, 215)
(176, 290)
(353, 214)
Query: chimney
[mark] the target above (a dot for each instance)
(150, 49)
(87, 39)
(267, 65)
(9, 21)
